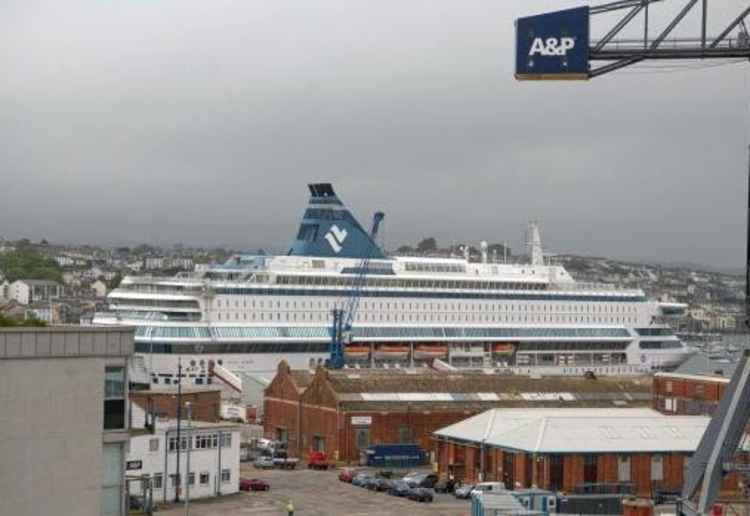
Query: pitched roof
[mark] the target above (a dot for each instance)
(580, 430)
(302, 378)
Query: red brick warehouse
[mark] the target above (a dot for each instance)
(344, 412)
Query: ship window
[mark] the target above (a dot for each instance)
(308, 232)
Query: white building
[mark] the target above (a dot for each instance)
(27, 291)
(154, 263)
(214, 469)
(99, 288)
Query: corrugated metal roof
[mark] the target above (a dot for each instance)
(581, 430)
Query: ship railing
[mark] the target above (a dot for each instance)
(591, 287)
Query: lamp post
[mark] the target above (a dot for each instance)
(189, 408)
(179, 417)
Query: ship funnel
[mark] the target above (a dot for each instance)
(329, 230)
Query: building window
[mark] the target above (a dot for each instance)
(668, 386)
(226, 475)
(156, 481)
(404, 434)
(114, 398)
(204, 478)
(191, 478)
(319, 443)
(657, 467)
(623, 468)
(153, 445)
(226, 440)
(175, 479)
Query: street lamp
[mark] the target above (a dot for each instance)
(189, 408)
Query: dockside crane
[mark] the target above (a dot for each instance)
(341, 329)
(557, 46)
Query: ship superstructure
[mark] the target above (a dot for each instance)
(249, 313)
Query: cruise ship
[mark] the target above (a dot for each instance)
(246, 315)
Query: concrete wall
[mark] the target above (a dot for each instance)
(51, 420)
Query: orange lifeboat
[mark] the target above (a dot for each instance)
(430, 351)
(391, 351)
(503, 348)
(357, 352)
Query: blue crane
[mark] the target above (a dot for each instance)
(341, 330)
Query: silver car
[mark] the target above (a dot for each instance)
(263, 463)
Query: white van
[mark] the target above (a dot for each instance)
(485, 487)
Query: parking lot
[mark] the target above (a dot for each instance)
(317, 493)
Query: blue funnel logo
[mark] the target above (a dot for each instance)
(335, 238)
(328, 229)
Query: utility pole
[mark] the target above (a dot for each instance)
(189, 408)
(747, 244)
(179, 417)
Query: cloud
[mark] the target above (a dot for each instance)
(202, 122)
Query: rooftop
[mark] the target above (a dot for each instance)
(580, 430)
(66, 341)
(372, 382)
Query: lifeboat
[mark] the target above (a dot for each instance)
(503, 348)
(357, 352)
(392, 352)
(430, 351)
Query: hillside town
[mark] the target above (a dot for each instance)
(73, 280)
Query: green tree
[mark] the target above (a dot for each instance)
(26, 263)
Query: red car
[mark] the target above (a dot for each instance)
(347, 475)
(254, 484)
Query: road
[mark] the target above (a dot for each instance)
(316, 493)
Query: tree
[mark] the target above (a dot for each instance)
(26, 263)
(405, 249)
(6, 322)
(427, 245)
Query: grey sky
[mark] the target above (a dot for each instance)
(202, 122)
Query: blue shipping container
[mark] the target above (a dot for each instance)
(395, 455)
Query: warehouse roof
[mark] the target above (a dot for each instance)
(580, 430)
(374, 382)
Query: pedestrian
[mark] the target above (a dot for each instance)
(290, 508)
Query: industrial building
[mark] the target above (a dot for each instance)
(565, 448)
(343, 412)
(63, 420)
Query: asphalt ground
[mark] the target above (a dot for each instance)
(316, 493)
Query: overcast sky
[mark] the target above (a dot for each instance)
(201, 122)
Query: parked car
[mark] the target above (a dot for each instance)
(445, 486)
(254, 484)
(318, 460)
(427, 480)
(347, 475)
(263, 462)
(360, 479)
(399, 488)
(489, 486)
(420, 494)
(282, 460)
(464, 491)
